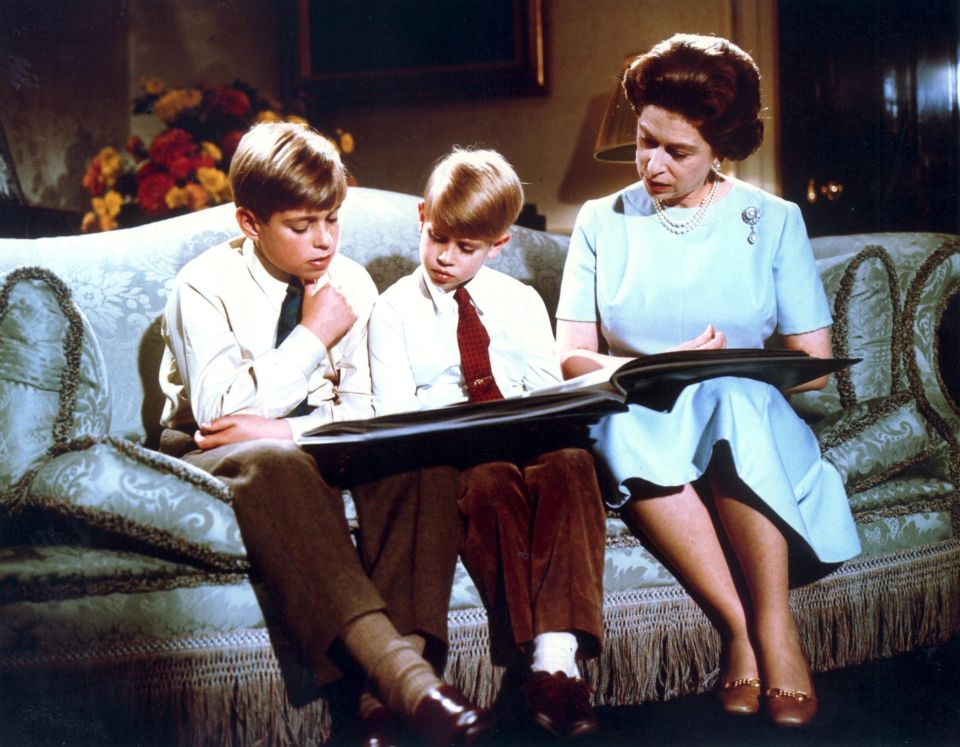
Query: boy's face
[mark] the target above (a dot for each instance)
(451, 261)
(299, 242)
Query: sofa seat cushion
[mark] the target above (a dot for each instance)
(53, 383)
(62, 597)
(905, 532)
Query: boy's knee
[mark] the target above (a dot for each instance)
(490, 482)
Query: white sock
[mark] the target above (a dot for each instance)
(556, 652)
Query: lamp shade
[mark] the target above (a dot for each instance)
(617, 139)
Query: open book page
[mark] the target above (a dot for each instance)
(653, 380)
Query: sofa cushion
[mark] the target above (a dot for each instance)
(867, 316)
(115, 493)
(53, 382)
(874, 440)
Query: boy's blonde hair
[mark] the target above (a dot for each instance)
(473, 194)
(284, 166)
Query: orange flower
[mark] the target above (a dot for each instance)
(196, 196)
(153, 86)
(89, 222)
(171, 105)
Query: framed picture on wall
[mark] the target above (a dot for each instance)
(377, 50)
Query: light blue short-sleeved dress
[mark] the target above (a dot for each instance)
(651, 290)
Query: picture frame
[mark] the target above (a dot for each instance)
(389, 50)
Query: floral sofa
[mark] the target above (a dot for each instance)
(125, 601)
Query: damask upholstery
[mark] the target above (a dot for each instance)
(128, 565)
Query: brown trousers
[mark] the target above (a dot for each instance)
(534, 546)
(299, 545)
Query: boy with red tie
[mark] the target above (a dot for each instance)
(456, 330)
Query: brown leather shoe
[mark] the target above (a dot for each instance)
(446, 717)
(790, 707)
(560, 705)
(740, 697)
(380, 728)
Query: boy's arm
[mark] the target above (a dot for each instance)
(542, 366)
(219, 376)
(394, 386)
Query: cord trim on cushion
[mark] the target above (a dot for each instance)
(841, 342)
(936, 419)
(69, 376)
(76, 586)
(129, 528)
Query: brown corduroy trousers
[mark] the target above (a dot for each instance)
(299, 545)
(534, 547)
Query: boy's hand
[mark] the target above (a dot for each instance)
(235, 428)
(326, 313)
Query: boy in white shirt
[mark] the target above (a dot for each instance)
(456, 330)
(265, 337)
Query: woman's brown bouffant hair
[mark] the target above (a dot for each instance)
(707, 80)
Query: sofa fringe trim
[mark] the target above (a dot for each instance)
(228, 689)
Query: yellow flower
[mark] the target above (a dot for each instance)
(153, 86)
(169, 106)
(109, 160)
(294, 119)
(113, 201)
(89, 221)
(107, 206)
(215, 182)
(267, 115)
(346, 142)
(175, 198)
(211, 150)
(108, 223)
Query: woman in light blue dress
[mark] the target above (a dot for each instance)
(688, 259)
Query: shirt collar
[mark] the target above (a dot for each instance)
(443, 300)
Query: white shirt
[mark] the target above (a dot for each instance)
(414, 357)
(219, 329)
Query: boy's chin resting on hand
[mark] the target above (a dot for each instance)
(235, 428)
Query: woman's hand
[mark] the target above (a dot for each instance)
(710, 339)
(234, 428)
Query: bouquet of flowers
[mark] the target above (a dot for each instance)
(184, 168)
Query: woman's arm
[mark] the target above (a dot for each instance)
(578, 344)
(817, 344)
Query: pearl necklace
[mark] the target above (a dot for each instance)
(682, 227)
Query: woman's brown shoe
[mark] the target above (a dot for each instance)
(790, 707)
(740, 697)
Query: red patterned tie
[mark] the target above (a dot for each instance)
(474, 345)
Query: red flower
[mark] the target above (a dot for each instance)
(228, 102)
(181, 167)
(170, 145)
(152, 193)
(202, 161)
(229, 144)
(93, 181)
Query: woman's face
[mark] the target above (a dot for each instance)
(673, 159)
